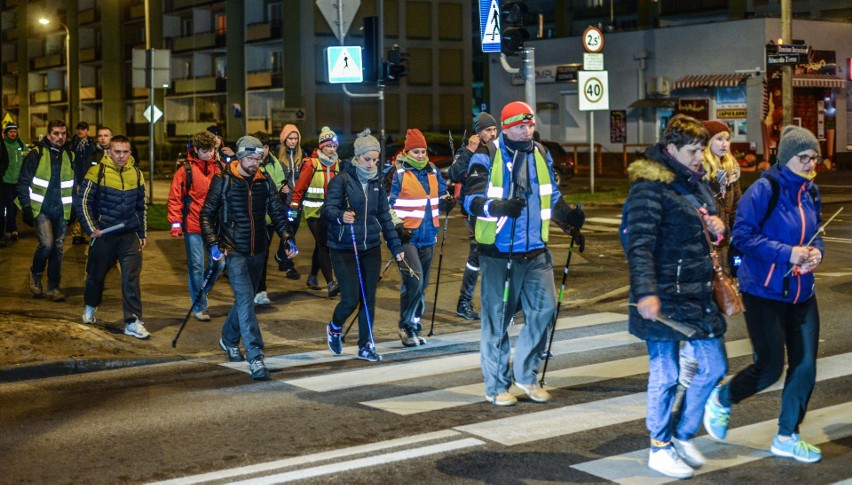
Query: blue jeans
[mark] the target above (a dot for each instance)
(662, 384)
(51, 239)
(195, 255)
(244, 275)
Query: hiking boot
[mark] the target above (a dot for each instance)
(333, 339)
(292, 274)
(420, 339)
(716, 417)
(202, 316)
(368, 352)
(55, 295)
(258, 369)
(534, 391)
(465, 310)
(796, 448)
(13, 236)
(333, 289)
(233, 353)
(408, 337)
(35, 284)
(89, 314)
(666, 461)
(312, 282)
(502, 399)
(78, 240)
(136, 328)
(688, 453)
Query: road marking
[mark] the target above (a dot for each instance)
(567, 420)
(834, 275)
(605, 220)
(744, 445)
(837, 239)
(470, 394)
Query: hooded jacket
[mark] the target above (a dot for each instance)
(766, 251)
(110, 195)
(202, 174)
(291, 159)
(667, 250)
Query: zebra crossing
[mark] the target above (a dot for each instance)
(531, 424)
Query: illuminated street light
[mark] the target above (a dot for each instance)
(46, 21)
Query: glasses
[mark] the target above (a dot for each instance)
(805, 159)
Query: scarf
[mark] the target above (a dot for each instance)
(366, 174)
(326, 161)
(416, 164)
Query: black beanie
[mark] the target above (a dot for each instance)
(483, 121)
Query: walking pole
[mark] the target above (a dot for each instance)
(381, 276)
(210, 270)
(558, 305)
(366, 307)
(343, 337)
(440, 256)
(504, 327)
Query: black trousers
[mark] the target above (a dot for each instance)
(103, 254)
(350, 288)
(320, 261)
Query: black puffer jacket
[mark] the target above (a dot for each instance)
(234, 215)
(667, 250)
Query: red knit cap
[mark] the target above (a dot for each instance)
(714, 127)
(516, 113)
(414, 139)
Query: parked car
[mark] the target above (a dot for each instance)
(563, 164)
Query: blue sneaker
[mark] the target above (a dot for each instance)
(716, 417)
(368, 352)
(333, 339)
(797, 449)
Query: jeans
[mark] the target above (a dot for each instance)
(662, 384)
(772, 326)
(196, 269)
(103, 254)
(471, 270)
(320, 260)
(244, 275)
(51, 241)
(8, 193)
(531, 286)
(350, 288)
(412, 292)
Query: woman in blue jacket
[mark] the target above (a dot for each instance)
(780, 249)
(356, 199)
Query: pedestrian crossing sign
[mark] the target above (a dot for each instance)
(344, 64)
(489, 25)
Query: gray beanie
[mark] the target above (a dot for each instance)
(483, 121)
(248, 145)
(795, 140)
(366, 142)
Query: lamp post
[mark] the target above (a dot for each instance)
(46, 21)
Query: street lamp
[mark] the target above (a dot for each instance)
(46, 21)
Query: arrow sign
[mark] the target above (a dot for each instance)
(156, 113)
(328, 8)
(489, 25)
(344, 64)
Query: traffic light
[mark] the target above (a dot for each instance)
(371, 58)
(513, 33)
(394, 68)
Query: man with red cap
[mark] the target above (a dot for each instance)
(512, 194)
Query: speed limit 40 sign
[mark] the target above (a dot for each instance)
(593, 91)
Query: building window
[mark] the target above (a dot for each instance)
(221, 23)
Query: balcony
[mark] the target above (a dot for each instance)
(10, 34)
(10, 67)
(137, 92)
(186, 128)
(263, 79)
(89, 54)
(10, 3)
(11, 100)
(88, 16)
(136, 11)
(206, 40)
(263, 31)
(47, 62)
(199, 85)
(45, 97)
(90, 93)
(691, 6)
(181, 4)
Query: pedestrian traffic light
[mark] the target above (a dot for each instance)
(513, 33)
(394, 68)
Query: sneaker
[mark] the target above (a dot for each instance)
(333, 289)
(796, 448)
(408, 338)
(55, 295)
(368, 352)
(89, 314)
(258, 369)
(202, 316)
(233, 353)
(333, 339)
(465, 310)
(261, 299)
(420, 339)
(13, 236)
(293, 274)
(716, 416)
(35, 284)
(502, 399)
(136, 328)
(534, 391)
(312, 282)
(666, 461)
(688, 453)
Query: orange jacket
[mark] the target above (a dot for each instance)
(202, 174)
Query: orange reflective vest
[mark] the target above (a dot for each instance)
(412, 200)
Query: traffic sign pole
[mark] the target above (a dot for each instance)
(592, 151)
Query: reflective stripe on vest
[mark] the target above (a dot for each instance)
(488, 227)
(315, 194)
(41, 181)
(410, 204)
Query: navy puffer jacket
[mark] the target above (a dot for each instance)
(111, 195)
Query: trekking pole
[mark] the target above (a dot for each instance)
(381, 276)
(440, 256)
(207, 276)
(558, 305)
(819, 231)
(504, 327)
(365, 307)
(343, 337)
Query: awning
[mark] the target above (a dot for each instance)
(817, 81)
(711, 81)
(653, 103)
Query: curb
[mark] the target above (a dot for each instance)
(58, 368)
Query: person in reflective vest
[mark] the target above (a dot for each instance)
(45, 187)
(513, 196)
(416, 201)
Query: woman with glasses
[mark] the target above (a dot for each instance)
(780, 249)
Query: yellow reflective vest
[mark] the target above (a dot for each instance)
(41, 180)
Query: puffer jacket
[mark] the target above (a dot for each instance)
(110, 195)
(766, 252)
(667, 249)
(426, 234)
(370, 205)
(202, 174)
(234, 212)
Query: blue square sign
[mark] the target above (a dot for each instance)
(489, 25)
(344, 64)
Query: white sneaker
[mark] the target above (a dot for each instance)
(502, 399)
(666, 461)
(534, 391)
(688, 453)
(89, 314)
(136, 328)
(202, 316)
(261, 299)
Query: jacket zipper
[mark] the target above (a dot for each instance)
(366, 212)
(251, 217)
(677, 278)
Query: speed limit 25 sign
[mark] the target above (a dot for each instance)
(592, 90)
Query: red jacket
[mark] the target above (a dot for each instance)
(202, 174)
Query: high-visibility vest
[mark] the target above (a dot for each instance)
(488, 227)
(410, 204)
(315, 195)
(41, 180)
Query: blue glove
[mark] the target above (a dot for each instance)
(215, 253)
(291, 246)
(292, 214)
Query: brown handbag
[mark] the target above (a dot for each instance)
(725, 291)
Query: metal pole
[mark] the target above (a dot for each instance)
(592, 150)
(787, 71)
(529, 76)
(150, 58)
(380, 49)
(68, 76)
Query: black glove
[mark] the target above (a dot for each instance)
(511, 207)
(578, 237)
(567, 217)
(404, 233)
(27, 215)
(446, 204)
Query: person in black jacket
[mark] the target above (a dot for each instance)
(356, 200)
(233, 224)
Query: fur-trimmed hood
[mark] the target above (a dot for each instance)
(658, 166)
